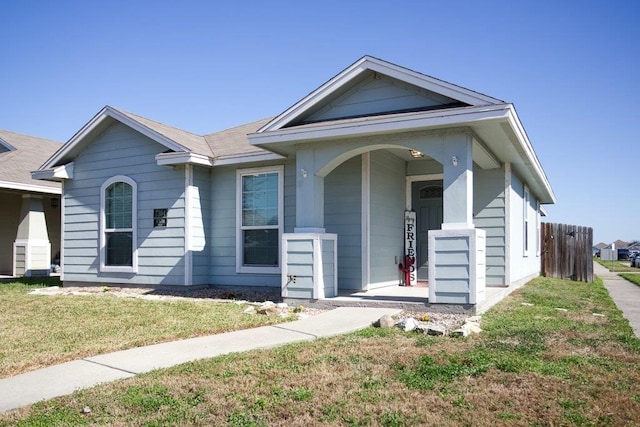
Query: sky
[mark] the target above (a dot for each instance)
(571, 68)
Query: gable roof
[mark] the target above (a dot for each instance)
(208, 148)
(353, 74)
(498, 135)
(24, 154)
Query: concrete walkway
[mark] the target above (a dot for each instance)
(625, 294)
(59, 380)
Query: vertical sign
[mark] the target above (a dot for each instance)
(410, 274)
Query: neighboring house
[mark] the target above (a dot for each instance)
(29, 209)
(312, 200)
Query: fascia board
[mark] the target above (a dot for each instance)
(530, 160)
(432, 84)
(383, 124)
(29, 187)
(104, 114)
(383, 67)
(246, 158)
(168, 159)
(57, 173)
(7, 145)
(316, 96)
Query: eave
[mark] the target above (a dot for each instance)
(31, 188)
(56, 174)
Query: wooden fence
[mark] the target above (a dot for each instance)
(567, 252)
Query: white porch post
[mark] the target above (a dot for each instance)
(32, 249)
(309, 255)
(457, 266)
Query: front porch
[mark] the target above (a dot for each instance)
(410, 298)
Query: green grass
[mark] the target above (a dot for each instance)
(633, 278)
(44, 330)
(533, 365)
(617, 266)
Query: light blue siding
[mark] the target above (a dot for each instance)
(452, 269)
(523, 265)
(343, 216)
(222, 242)
(424, 167)
(378, 94)
(122, 151)
(201, 225)
(386, 213)
(300, 265)
(328, 270)
(489, 215)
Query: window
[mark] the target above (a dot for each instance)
(118, 232)
(259, 219)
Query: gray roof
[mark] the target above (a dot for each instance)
(234, 141)
(218, 144)
(190, 141)
(28, 154)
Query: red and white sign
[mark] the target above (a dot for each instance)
(410, 273)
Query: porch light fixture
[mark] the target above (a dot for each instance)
(416, 154)
(454, 161)
(303, 173)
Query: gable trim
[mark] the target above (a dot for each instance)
(368, 63)
(7, 145)
(98, 120)
(381, 124)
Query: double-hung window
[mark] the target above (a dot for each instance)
(118, 231)
(260, 219)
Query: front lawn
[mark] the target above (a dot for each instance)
(40, 331)
(617, 266)
(633, 278)
(556, 352)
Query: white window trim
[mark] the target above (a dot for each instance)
(240, 268)
(134, 230)
(526, 237)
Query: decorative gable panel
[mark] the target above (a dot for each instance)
(375, 94)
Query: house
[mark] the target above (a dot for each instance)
(29, 209)
(378, 169)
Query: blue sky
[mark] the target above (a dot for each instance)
(570, 68)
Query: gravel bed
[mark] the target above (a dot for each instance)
(252, 296)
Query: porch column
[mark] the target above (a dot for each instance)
(458, 182)
(457, 259)
(309, 194)
(32, 249)
(309, 255)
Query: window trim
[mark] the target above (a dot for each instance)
(134, 229)
(240, 268)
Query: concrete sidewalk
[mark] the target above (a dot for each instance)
(625, 294)
(59, 380)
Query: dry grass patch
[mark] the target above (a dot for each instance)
(39, 331)
(533, 366)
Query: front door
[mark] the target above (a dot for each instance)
(426, 200)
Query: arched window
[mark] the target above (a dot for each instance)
(118, 225)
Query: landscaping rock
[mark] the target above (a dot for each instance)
(385, 322)
(436, 330)
(408, 324)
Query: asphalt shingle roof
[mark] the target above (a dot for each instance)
(30, 152)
